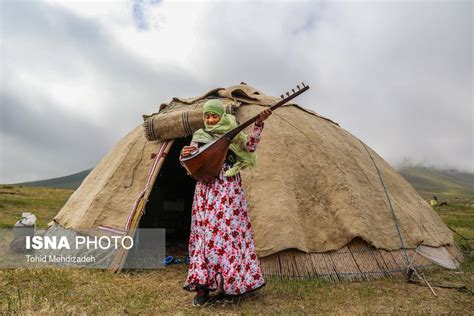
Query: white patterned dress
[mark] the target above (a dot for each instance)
(221, 238)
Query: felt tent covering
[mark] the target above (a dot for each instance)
(322, 203)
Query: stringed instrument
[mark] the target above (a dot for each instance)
(205, 163)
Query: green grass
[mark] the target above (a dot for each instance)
(150, 292)
(459, 215)
(45, 203)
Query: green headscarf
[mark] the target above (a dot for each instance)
(227, 123)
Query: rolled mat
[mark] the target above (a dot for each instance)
(176, 121)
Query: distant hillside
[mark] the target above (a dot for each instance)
(427, 181)
(431, 181)
(72, 181)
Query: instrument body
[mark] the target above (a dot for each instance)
(206, 163)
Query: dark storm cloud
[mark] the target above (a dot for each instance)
(47, 139)
(48, 126)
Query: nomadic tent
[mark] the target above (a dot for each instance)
(321, 202)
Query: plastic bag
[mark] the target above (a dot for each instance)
(28, 219)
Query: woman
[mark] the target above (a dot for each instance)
(221, 247)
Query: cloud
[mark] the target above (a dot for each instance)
(70, 91)
(398, 75)
(47, 139)
(406, 89)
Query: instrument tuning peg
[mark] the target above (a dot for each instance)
(287, 94)
(282, 96)
(298, 86)
(293, 90)
(303, 84)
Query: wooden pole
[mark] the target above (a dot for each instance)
(121, 255)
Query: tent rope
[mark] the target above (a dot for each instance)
(395, 219)
(462, 236)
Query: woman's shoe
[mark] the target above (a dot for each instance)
(202, 297)
(219, 282)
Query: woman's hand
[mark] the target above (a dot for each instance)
(263, 116)
(187, 150)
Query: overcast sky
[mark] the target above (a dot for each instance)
(77, 76)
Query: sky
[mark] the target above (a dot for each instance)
(76, 76)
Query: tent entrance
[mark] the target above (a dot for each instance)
(170, 202)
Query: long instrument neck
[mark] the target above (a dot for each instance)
(231, 134)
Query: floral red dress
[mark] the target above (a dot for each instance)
(221, 238)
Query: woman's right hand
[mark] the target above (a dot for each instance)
(187, 150)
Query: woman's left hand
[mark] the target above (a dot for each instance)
(263, 116)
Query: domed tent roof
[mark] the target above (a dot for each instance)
(319, 200)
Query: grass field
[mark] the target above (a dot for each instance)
(159, 291)
(45, 203)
